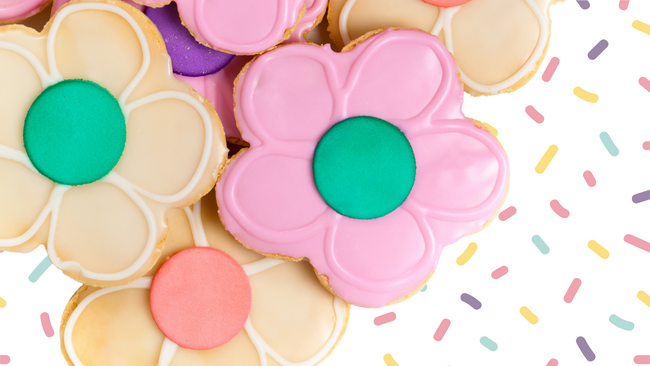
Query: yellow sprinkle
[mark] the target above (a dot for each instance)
(585, 95)
(492, 130)
(467, 254)
(3, 303)
(641, 26)
(643, 296)
(528, 315)
(598, 249)
(546, 159)
(389, 360)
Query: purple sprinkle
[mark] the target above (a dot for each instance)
(584, 4)
(471, 301)
(585, 349)
(640, 197)
(598, 49)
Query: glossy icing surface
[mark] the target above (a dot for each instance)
(313, 14)
(446, 3)
(498, 44)
(293, 320)
(14, 10)
(59, 3)
(289, 97)
(111, 231)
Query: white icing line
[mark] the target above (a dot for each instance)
(53, 202)
(121, 183)
(46, 79)
(207, 146)
(64, 12)
(143, 282)
(261, 265)
(196, 225)
(17, 156)
(167, 352)
(343, 20)
(255, 339)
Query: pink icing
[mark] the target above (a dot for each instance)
(59, 3)
(290, 96)
(200, 298)
(446, 3)
(14, 10)
(314, 9)
(241, 27)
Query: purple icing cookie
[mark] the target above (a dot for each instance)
(189, 57)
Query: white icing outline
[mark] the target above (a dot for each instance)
(169, 348)
(113, 177)
(444, 22)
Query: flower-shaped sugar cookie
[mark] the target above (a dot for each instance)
(98, 141)
(265, 310)
(498, 44)
(361, 162)
(12, 11)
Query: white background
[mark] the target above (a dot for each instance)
(604, 213)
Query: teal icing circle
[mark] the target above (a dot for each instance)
(75, 132)
(364, 167)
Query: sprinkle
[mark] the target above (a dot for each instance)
(646, 145)
(471, 301)
(552, 362)
(641, 197)
(540, 244)
(644, 297)
(528, 315)
(423, 288)
(3, 303)
(534, 114)
(589, 178)
(621, 323)
(489, 344)
(641, 26)
(585, 349)
(609, 144)
(559, 210)
(645, 83)
(598, 249)
(442, 329)
(584, 4)
(598, 49)
(637, 242)
(47, 326)
(386, 318)
(585, 95)
(642, 360)
(550, 69)
(40, 269)
(390, 361)
(499, 272)
(546, 159)
(623, 4)
(508, 213)
(573, 289)
(467, 254)
(4, 359)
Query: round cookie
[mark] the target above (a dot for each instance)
(498, 44)
(371, 243)
(292, 318)
(96, 191)
(12, 11)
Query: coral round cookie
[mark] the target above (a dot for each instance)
(498, 44)
(98, 141)
(243, 27)
(360, 161)
(208, 289)
(12, 11)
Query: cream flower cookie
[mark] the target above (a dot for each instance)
(498, 44)
(260, 311)
(98, 141)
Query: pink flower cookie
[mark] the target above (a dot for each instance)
(336, 141)
(12, 11)
(243, 27)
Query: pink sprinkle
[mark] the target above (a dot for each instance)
(386, 318)
(507, 213)
(589, 178)
(499, 272)
(645, 83)
(442, 329)
(573, 289)
(559, 210)
(646, 145)
(637, 242)
(4, 359)
(534, 114)
(552, 362)
(550, 69)
(642, 360)
(623, 4)
(47, 325)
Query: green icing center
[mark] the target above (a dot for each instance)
(364, 167)
(75, 132)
